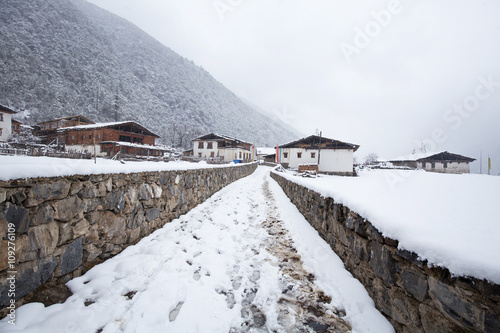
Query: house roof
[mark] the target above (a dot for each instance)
(6, 109)
(135, 145)
(118, 125)
(218, 137)
(315, 141)
(434, 156)
(266, 151)
(81, 118)
(16, 121)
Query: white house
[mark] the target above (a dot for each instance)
(442, 162)
(222, 148)
(262, 152)
(5, 122)
(331, 156)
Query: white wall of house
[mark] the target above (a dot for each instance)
(451, 167)
(331, 160)
(86, 148)
(226, 154)
(5, 126)
(205, 152)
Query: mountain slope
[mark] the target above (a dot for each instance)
(64, 57)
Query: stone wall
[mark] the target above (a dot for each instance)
(412, 295)
(65, 225)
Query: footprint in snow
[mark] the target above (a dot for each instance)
(175, 312)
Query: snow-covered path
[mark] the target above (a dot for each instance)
(243, 261)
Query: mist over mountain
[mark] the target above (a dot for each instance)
(66, 57)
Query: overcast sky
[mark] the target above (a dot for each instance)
(384, 74)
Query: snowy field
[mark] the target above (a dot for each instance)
(15, 167)
(452, 221)
(244, 261)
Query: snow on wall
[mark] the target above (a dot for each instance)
(64, 225)
(408, 287)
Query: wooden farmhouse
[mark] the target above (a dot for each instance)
(222, 148)
(331, 156)
(5, 122)
(442, 162)
(49, 132)
(107, 139)
(16, 126)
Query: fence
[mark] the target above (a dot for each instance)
(43, 152)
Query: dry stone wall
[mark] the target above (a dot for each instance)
(65, 225)
(412, 295)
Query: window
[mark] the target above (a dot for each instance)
(313, 155)
(445, 165)
(82, 137)
(1, 116)
(199, 154)
(240, 154)
(200, 145)
(299, 155)
(1, 131)
(90, 136)
(210, 145)
(72, 137)
(424, 164)
(285, 155)
(433, 165)
(212, 154)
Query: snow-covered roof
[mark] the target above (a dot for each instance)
(215, 137)
(110, 124)
(313, 142)
(442, 155)
(79, 118)
(136, 145)
(6, 109)
(266, 151)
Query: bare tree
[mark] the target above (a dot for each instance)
(371, 158)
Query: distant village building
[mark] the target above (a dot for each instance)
(442, 162)
(331, 156)
(5, 122)
(262, 152)
(49, 132)
(126, 137)
(16, 126)
(222, 148)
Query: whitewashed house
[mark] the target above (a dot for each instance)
(5, 122)
(442, 162)
(263, 152)
(222, 148)
(331, 156)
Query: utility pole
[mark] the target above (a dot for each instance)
(95, 152)
(481, 163)
(489, 165)
(319, 148)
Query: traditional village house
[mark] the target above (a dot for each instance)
(442, 162)
(262, 152)
(16, 126)
(331, 156)
(5, 122)
(126, 137)
(49, 132)
(222, 148)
